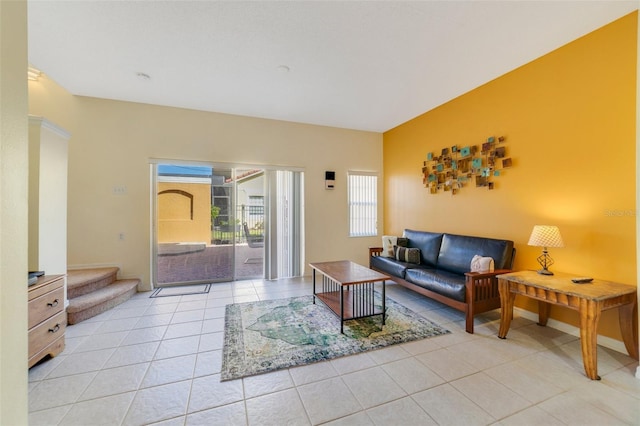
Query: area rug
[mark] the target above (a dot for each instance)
(265, 336)
(181, 290)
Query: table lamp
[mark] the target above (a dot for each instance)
(545, 236)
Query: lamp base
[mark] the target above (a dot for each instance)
(545, 272)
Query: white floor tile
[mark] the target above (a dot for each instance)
(208, 363)
(373, 387)
(572, 410)
(275, 409)
(328, 400)
(447, 406)
(447, 363)
(106, 411)
(485, 392)
(403, 411)
(144, 335)
(159, 403)
(312, 372)
(169, 370)
(115, 380)
(530, 416)
(228, 415)
(412, 375)
(351, 363)
(51, 416)
(183, 329)
(209, 392)
(176, 347)
(157, 361)
(132, 354)
(187, 316)
(100, 341)
(82, 363)
(262, 384)
(60, 391)
(358, 419)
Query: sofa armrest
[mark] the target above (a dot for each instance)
(482, 286)
(375, 251)
(479, 275)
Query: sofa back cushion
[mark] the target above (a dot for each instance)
(456, 252)
(427, 242)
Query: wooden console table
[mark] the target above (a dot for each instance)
(588, 299)
(337, 293)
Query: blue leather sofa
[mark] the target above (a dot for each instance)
(443, 273)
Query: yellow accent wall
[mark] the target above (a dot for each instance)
(181, 217)
(569, 122)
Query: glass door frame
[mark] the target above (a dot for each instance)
(270, 247)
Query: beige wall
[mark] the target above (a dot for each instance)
(112, 143)
(13, 212)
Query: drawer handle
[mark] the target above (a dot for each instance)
(53, 304)
(54, 329)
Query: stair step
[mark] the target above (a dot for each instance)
(84, 281)
(89, 305)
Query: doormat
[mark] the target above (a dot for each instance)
(182, 290)
(265, 336)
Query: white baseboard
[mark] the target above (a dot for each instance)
(605, 341)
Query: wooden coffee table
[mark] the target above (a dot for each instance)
(588, 299)
(348, 290)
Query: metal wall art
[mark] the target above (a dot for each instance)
(458, 166)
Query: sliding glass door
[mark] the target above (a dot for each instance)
(212, 223)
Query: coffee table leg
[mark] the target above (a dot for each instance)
(384, 303)
(589, 315)
(314, 286)
(341, 309)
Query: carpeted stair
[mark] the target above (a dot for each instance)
(94, 291)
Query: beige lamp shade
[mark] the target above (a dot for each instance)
(545, 236)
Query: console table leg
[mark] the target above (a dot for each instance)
(629, 327)
(543, 312)
(589, 315)
(506, 313)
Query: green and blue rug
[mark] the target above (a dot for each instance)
(270, 335)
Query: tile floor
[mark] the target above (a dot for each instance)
(157, 361)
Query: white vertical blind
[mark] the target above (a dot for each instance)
(363, 204)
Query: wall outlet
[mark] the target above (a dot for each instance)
(121, 236)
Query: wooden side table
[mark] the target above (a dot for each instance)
(588, 299)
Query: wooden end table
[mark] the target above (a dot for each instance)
(348, 290)
(588, 299)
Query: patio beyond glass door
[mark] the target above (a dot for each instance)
(201, 230)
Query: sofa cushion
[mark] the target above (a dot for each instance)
(407, 254)
(457, 251)
(390, 266)
(427, 242)
(482, 264)
(446, 283)
(388, 244)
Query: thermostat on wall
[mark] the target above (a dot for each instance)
(329, 180)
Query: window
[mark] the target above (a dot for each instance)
(362, 190)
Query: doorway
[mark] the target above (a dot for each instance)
(212, 223)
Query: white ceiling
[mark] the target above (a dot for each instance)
(354, 64)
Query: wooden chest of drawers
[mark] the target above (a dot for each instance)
(47, 318)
